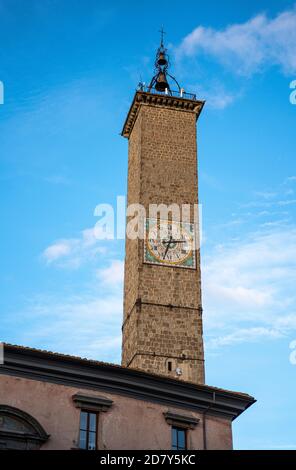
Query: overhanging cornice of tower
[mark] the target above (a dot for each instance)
(187, 102)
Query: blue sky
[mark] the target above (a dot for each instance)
(69, 71)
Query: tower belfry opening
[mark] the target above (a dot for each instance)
(162, 81)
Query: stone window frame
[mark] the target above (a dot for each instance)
(180, 421)
(91, 404)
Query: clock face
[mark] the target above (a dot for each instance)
(170, 243)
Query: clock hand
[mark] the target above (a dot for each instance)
(174, 241)
(168, 246)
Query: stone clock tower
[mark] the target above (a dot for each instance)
(162, 325)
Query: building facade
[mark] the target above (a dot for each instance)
(157, 399)
(52, 401)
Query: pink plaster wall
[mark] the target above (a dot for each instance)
(128, 424)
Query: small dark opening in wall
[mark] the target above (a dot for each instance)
(170, 366)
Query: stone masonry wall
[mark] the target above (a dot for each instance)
(166, 324)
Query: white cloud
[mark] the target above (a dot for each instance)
(86, 325)
(287, 202)
(216, 96)
(57, 250)
(241, 296)
(265, 194)
(290, 179)
(89, 237)
(244, 335)
(113, 275)
(220, 101)
(72, 252)
(249, 288)
(248, 47)
(277, 197)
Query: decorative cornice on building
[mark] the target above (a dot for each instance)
(88, 374)
(179, 420)
(155, 99)
(91, 403)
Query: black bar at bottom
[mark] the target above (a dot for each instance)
(144, 459)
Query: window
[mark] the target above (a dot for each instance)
(90, 407)
(180, 426)
(178, 438)
(88, 430)
(19, 430)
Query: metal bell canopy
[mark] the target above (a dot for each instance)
(159, 81)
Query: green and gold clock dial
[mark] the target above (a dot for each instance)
(169, 243)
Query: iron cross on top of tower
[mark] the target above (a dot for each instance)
(162, 33)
